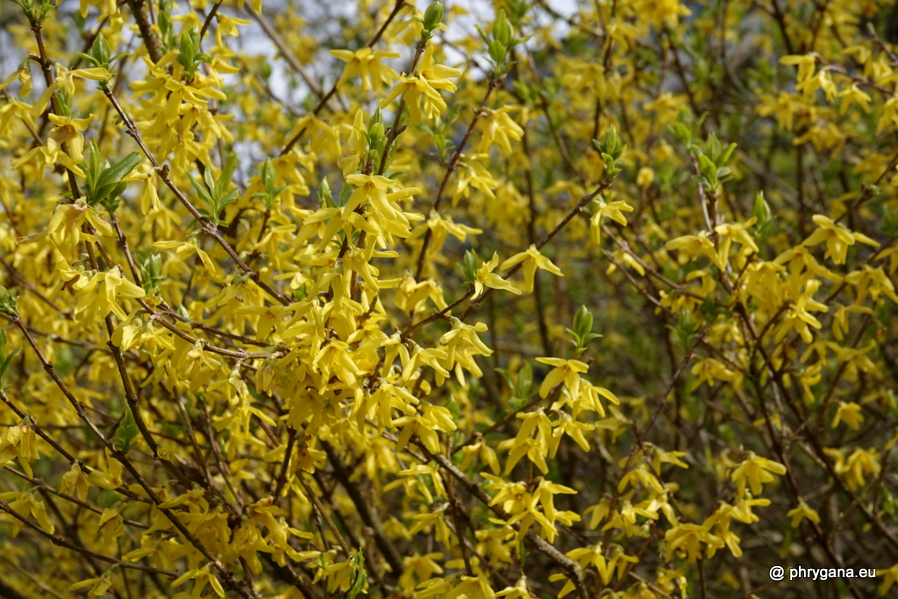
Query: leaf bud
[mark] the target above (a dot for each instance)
(376, 131)
(502, 30)
(433, 16)
(760, 210)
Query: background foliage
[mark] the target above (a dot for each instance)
(329, 300)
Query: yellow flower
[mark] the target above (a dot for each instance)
(890, 577)
(805, 63)
(423, 86)
(498, 129)
(64, 228)
(437, 75)
(433, 419)
(485, 277)
(850, 414)
(75, 483)
(730, 232)
(65, 80)
(798, 316)
(366, 63)
(644, 177)
(755, 471)
(419, 566)
(471, 173)
(853, 95)
(412, 90)
(688, 539)
(110, 480)
(50, 154)
(471, 587)
(486, 453)
(691, 246)
(709, 370)
(532, 260)
(202, 577)
(838, 238)
(518, 591)
(20, 441)
(613, 210)
(871, 282)
(103, 290)
(98, 586)
(372, 188)
(358, 145)
(25, 504)
(860, 463)
(24, 77)
(186, 249)
(111, 526)
(566, 371)
(801, 512)
(440, 227)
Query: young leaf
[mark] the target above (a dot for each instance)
(113, 175)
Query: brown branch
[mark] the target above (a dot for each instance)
(60, 542)
(366, 512)
(150, 39)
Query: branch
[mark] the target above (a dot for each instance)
(60, 542)
(150, 40)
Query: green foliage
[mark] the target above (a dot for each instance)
(269, 178)
(36, 11)
(125, 433)
(470, 264)
(521, 386)
(612, 150)
(5, 359)
(166, 27)
(358, 575)
(101, 55)
(214, 192)
(189, 55)
(500, 42)
(582, 332)
(8, 302)
(712, 161)
(150, 271)
(104, 183)
(433, 19)
(686, 329)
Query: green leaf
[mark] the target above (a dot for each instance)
(226, 174)
(525, 380)
(358, 576)
(113, 175)
(5, 362)
(207, 178)
(125, 433)
(503, 372)
(269, 177)
(230, 197)
(200, 189)
(8, 302)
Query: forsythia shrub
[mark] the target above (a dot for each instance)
(596, 300)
